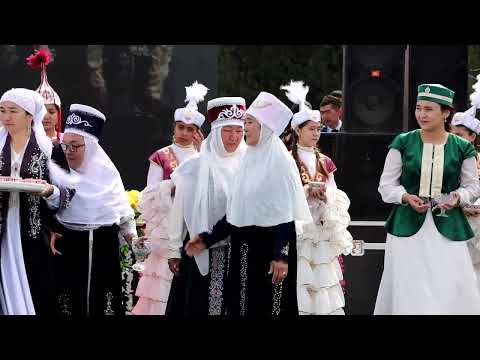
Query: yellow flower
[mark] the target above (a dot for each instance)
(133, 198)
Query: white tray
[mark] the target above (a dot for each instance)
(21, 187)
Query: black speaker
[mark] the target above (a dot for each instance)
(328, 144)
(445, 65)
(373, 87)
(360, 159)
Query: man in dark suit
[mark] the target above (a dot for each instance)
(331, 112)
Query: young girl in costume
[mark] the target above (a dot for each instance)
(322, 243)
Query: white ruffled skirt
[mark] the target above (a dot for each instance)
(319, 274)
(154, 285)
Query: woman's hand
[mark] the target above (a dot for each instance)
(46, 192)
(279, 271)
(174, 266)
(130, 237)
(140, 247)
(471, 212)
(453, 202)
(197, 139)
(319, 193)
(195, 246)
(53, 238)
(139, 242)
(415, 202)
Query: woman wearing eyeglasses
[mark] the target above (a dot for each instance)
(26, 276)
(89, 282)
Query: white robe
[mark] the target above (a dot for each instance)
(15, 294)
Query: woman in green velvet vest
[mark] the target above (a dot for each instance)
(428, 175)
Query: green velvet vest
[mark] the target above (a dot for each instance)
(403, 220)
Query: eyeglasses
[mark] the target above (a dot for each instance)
(70, 147)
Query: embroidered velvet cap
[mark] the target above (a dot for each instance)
(436, 93)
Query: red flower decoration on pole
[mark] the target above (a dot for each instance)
(41, 56)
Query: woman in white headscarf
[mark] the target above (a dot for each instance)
(26, 279)
(203, 185)
(91, 225)
(157, 198)
(267, 202)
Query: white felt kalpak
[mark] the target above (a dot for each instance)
(267, 190)
(271, 112)
(190, 114)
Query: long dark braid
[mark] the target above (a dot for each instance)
(318, 154)
(295, 150)
(287, 137)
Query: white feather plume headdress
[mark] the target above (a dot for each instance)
(297, 93)
(475, 96)
(195, 94)
(468, 118)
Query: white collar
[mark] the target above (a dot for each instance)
(339, 126)
(306, 149)
(189, 146)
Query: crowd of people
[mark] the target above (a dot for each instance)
(248, 221)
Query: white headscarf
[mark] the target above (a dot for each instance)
(33, 103)
(207, 200)
(217, 171)
(100, 198)
(267, 190)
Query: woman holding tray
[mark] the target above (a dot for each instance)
(26, 283)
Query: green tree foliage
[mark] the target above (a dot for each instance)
(473, 65)
(247, 70)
